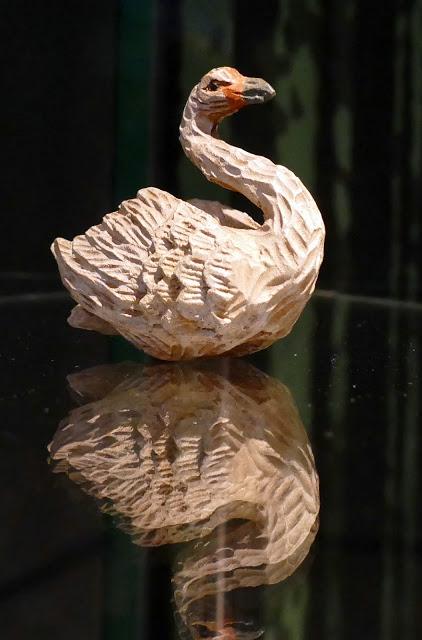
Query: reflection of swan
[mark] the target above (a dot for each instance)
(188, 279)
(176, 451)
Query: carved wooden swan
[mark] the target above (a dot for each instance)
(181, 453)
(182, 280)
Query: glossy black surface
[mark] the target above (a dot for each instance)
(68, 571)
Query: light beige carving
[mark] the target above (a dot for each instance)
(189, 279)
(182, 280)
(179, 453)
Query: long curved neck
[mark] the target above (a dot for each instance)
(255, 177)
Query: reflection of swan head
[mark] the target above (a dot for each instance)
(176, 451)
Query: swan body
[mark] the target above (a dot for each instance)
(182, 280)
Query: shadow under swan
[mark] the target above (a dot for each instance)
(213, 454)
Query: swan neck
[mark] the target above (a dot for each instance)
(227, 165)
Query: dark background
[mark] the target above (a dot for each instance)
(93, 93)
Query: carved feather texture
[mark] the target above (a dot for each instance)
(182, 280)
(176, 451)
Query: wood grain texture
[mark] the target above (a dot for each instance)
(180, 452)
(183, 280)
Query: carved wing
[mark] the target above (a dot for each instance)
(103, 265)
(155, 253)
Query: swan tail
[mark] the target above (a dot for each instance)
(81, 319)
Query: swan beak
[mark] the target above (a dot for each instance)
(256, 91)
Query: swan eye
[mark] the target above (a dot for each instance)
(212, 86)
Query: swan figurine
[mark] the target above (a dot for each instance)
(184, 280)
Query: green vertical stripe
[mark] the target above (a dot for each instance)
(125, 599)
(134, 64)
(133, 96)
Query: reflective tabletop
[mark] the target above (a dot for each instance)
(271, 497)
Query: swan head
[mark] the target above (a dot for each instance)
(224, 90)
